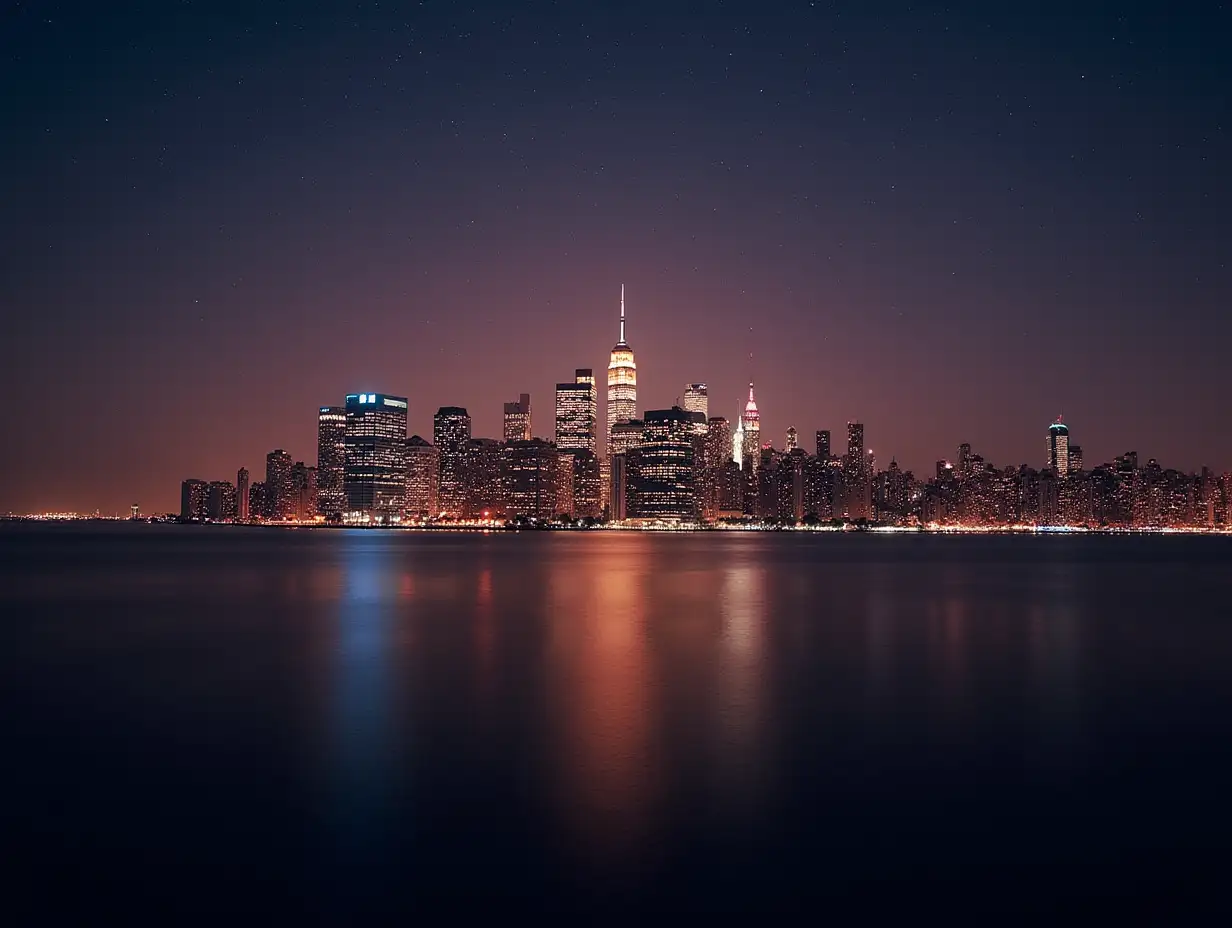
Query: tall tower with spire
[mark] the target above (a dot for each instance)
(621, 380)
(738, 442)
(751, 420)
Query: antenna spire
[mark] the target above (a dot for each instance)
(622, 314)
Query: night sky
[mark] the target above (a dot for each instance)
(951, 226)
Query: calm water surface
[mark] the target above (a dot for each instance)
(339, 723)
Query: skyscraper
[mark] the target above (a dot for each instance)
(751, 420)
(793, 440)
(241, 494)
(623, 438)
(1058, 448)
(331, 460)
(587, 485)
(194, 500)
(374, 476)
(621, 380)
(451, 430)
(716, 453)
(422, 469)
(222, 504)
(738, 442)
(517, 420)
(718, 441)
(857, 481)
(532, 468)
(855, 446)
(278, 484)
(258, 502)
(1075, 459)
(661, 468)
(696, 399)
(576, 412)
(483, 476)
(304, 502)
(823, 444)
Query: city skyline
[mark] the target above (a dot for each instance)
(673, 466)
(546, 428)
(949, 225)
(518, 416)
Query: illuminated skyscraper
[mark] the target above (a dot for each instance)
(279, 502)
(517, 420)
(621, 380)
(857, 481)
(258, 502)
(718, 442)
(1058, 448)
(738, 443)
(241, 494)
(576, 412)
(483, 475)
(623, 437)
(1075, 459)
(194, 500)
(696, 399)
(716, 454)
(374, 476)
(793, 440)
(855, 447)
(451, 430)
(331, 460)
(304, 500)
(661, 468)
(751, 420)
(422, 469)
(222, 505)
(823, 444)
(532, 470)
(587, 485)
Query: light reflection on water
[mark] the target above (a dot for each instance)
(527, 715)
(364, 721)
(740, 697)
(603, 693)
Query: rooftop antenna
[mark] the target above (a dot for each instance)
(622, 314)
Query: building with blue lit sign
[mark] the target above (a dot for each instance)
(374, 473)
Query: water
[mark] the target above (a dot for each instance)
(331, 724)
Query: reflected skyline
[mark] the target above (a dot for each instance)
(611, 721)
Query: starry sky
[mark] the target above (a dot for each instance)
(951, 224)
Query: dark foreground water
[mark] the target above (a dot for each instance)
(331, 724)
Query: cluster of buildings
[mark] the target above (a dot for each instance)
(675, 466)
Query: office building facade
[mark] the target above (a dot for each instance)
(484, 478)
(241, 494)
(823, 444)
(374, 476)
(451, 430)
(421, 476)
(697, 399)
(532, 471)
(577, 413)
(278, 485)
(194, 500)
(517, 420)
(661, 469)
(331, 460)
